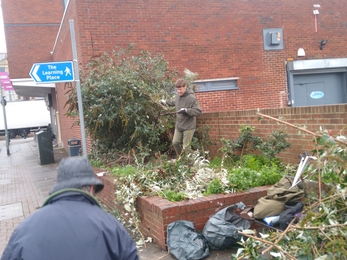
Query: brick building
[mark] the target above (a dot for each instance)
(248, 54)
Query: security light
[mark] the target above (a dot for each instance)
(322, 43)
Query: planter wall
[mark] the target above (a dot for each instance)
(227, 124)
(107, 194)
(157, 213)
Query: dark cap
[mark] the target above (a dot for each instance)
(76, 172)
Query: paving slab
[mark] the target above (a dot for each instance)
(5, 181)
(11, 211)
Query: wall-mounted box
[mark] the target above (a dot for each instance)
(273, 39)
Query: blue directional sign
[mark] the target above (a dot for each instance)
(61, 71)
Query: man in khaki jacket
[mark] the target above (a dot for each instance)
(187, 108)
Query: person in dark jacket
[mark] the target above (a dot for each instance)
(187, 108)
(71, 223)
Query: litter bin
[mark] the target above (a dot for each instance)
(44, 148)
(74, 146)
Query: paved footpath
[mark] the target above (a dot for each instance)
(25, 184)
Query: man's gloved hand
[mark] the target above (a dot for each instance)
(182, 111)
(163, 101)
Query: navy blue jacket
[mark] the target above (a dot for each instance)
(70, 225)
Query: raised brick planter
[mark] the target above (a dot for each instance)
(157, 213)
(107, 194)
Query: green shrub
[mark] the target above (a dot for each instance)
(201, 139)
(214, 187)
(124, 171)
(96, 163)
(121, 92)
(275, 143)
(255, 171)
(321, 232)
(227, 162)
(215, 163)
(257, 162)
(174, 196)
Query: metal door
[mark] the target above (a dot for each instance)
(319, 89)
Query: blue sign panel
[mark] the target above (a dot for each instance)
(61, 71)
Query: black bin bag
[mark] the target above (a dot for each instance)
(184, 242)
(292, 209)
(221, 230)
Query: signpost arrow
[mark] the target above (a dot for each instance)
(51, 72)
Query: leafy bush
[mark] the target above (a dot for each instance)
(321, 231)
(96, 163)
(174, 196)
(215, 163)
(254, 171)
(202, 140)
(276, 142)
(126, 170)
(121, 93)
(122, 113)
(214, 187)
(245, 178)
(251, 171)
(258, 162)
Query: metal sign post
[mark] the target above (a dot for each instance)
(3, 103)
(78, 87)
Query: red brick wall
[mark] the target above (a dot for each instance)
(30, 30)
(107, 194)
(216, 39)
(227, 125)
(157, 213)
(62, 51)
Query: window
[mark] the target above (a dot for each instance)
(216, 84)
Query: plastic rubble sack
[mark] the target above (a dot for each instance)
(292, 209)
(222, 229)
(184, 242)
